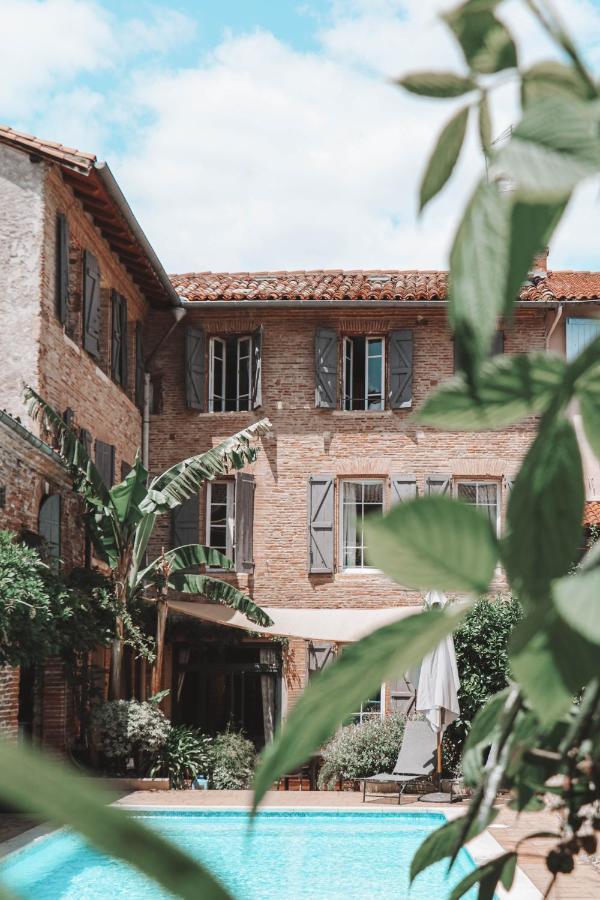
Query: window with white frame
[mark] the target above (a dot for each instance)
(370, 709)
(364, 372)
(230, 374)
(358, 499)
(220, 516)
(482, 494)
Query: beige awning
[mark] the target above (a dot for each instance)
(340, 626)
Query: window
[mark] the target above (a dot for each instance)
(580, 333)
(359, 499)
(220, 516)
(119, 344)
(370, 709)
(49, 525)
(230, 374)
(483, 495)
(364, 373)
(105, 462)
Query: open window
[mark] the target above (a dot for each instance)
(220, 516)
(234, 373)
(484, 495)
(359, 499)
(364, 372)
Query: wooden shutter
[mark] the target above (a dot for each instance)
(194, 368)
(125, 469)
(244, 522)
(320, 523)
(185, 524)
(320, 655)
(91, 304)
(404, 487)
(86, 439)
(401, 364)
(257, 369)
(325, 368)
(116, 337)
(105, 462)
(139, 366)
(62, 267)
(124, 343)
(49, 524)
(438, 483)
(498, 343)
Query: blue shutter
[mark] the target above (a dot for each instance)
(580, 333)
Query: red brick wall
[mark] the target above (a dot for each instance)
(9, 702)
(308, 441)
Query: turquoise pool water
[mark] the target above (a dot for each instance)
(316, 855)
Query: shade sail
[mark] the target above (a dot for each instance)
(339, 626)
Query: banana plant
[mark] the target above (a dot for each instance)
(121, 520)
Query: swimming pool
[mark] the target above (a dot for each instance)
(289, 855)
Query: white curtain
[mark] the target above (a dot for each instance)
(268, 656)
(350, 503)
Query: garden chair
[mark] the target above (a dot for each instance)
(416, 761)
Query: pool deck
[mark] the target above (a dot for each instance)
(531, 883)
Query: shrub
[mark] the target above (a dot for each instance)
(357, 751)
(185, 754)
(481, 644)
(232, 761)
(125, 729)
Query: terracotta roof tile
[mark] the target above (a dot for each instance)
(591, 515)
(76, 159)
(371, 285)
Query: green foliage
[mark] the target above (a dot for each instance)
(444, 157)
(532, 731)
(434, 543)
(44, 787)
(360, 750)
(43, 615)
(124, 729)
(481, 645)
(232, 761)
(185, 754)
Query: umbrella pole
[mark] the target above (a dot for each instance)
(439, 760)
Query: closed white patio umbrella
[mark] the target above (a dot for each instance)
(437, 689)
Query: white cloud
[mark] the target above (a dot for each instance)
(48, 42)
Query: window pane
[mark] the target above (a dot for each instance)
(467, 492)
(373, 493)
(218, 492)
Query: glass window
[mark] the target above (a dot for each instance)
(483, 495)
(220, 516)
(370, 709)
(364, 372)
(359, 499)
(230, 374)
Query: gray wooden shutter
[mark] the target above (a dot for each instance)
(194, 368)
(124, 344)
(438, 483)
(320, 655)
(320, 523)
(326, 368)
(257, 370)
(105, 462)
(244, 522)
(404, 487)
(498, 343)
(91, 304)
(49, 524)
(185, 523)
(62, 267)
(116, 338)
(139, 366)
(86, 439)
(401, 364)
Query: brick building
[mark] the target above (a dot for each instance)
(338, 361)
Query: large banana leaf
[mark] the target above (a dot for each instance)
(129, 493)
(143, 532)
(224, 593)
(187, 557)
(183, 480)
(88, 480)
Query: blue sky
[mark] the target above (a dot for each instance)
(253, 135)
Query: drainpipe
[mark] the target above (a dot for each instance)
(557, 319)
(178, 314)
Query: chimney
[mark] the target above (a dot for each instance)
(539, 268)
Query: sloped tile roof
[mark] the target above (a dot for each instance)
(372, 285)
(76, 159)
(591, 515)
